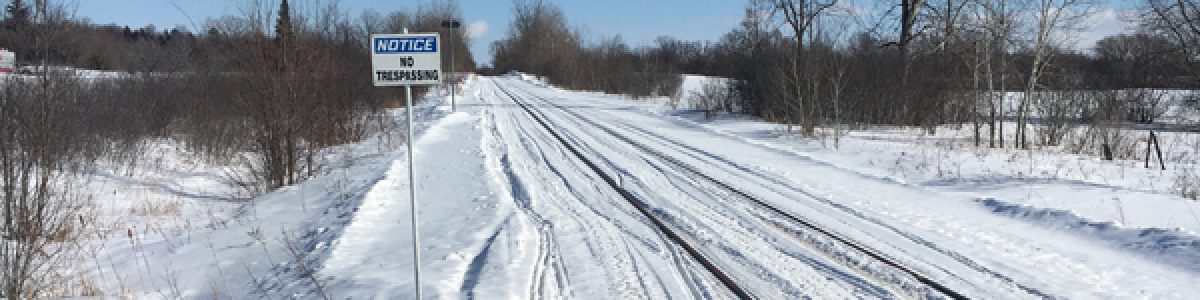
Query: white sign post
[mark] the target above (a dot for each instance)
(408, 59)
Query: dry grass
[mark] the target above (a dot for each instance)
(157, 208)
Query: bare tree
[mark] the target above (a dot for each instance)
(1051, 17)
(1180, 21)
(1057, 110)
(1139, 60)
(800, 16)
(958, 47)
(539, 42)
(982, 34)
(909, 10)
(998, 19)
(37, 145)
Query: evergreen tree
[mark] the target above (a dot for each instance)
(18, 15)
(284, 39)
(284, 34)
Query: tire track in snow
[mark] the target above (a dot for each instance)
(696, 154)
(475, 268)
(954, 255)
(608, 246)
(822, 249)
(617, 259)
(757, 269)
(721, 213)
(771, 264)
(720, 275)
(547, 246)
(699, 154)
(944, 290)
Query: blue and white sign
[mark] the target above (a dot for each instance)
(400, 45)
(406, 59)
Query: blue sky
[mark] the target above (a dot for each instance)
(638, 22)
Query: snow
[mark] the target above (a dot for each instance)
(377, 244)
(690, 88)
(177, 228)
(1173, 247)
(507, 212)
(242, 247)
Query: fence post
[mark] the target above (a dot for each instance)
(1158, 150)
(1148, 142)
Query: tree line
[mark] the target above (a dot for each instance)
(810, 64)
(282, 79)
(150, 49)
(263, 92)
(540, 42)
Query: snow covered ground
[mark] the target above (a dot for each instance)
(508, 212)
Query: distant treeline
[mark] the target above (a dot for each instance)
(85, 45)
(904, 62)
(540, 42)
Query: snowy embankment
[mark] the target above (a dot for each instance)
(1168, 246)
(177, 227)
(218, 245)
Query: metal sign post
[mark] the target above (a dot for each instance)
(452, 24)
(408, 59)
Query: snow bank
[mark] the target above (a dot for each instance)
(175, 227)
(530, 78)
(1173, 246)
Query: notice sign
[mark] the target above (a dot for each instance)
(406, 59)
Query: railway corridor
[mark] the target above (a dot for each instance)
(597, 198)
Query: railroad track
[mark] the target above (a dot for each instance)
(659, 224)
(923, 279)
(687, 168)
